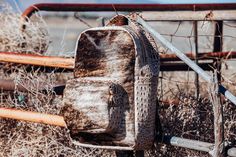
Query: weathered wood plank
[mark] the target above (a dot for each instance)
(218, 150)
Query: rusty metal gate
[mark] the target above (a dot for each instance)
(197, 16)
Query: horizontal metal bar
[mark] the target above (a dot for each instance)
(69, 7)
(192, 144)
(68, 63)
(124, 7)
(188, 61)
(231, 152)
(32, 117)
(163, 67)
(187, 143)
(201, 56)
(175, 102)
(59, 121)
(49, 61)
(227, 15)
(11, 85)
(166, 66)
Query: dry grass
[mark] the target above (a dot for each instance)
(28, 139)
(191, 118)
(34, 39)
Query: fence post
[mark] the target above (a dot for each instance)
(218, 46)
(218, 150)
(196, 58)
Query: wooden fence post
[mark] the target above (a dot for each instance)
(218, 150)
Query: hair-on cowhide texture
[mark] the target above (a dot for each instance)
(112, 100)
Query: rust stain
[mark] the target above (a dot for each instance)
(209, 16)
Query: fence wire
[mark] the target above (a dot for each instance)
(181, 112)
